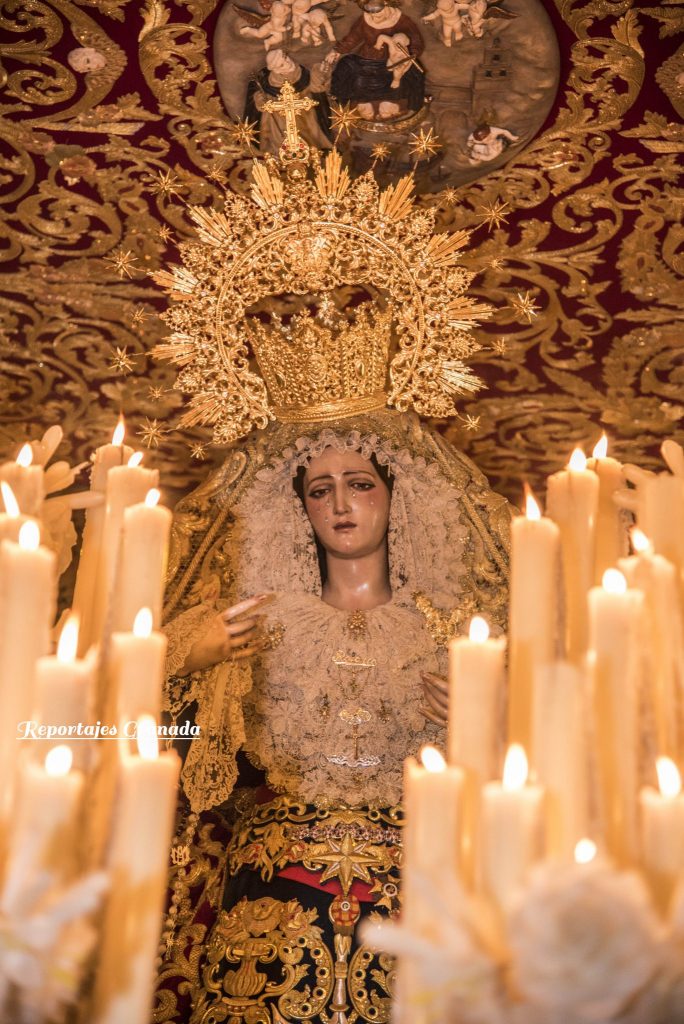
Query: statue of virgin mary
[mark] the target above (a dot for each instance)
(317, 576)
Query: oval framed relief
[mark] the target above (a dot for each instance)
(450, 88)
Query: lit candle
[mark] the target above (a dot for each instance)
(126, 485)
(611, 536)
(512, 829)
(44, 831)
(137, 860)
(656, 578)
(105, 457)
(561, 754)
(431, 849)
(144, 552)
(26, 481)
(662, 831)
(616, 615)
(27, 607)
(64, 690)
(533, 615)
(137, 669)
(572, 501)
(11, 520)
(476, 681)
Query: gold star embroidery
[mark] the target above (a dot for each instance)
(450, 196)
(472, 422)
(346, 860)
(496, 263)
(151, 432)
(380, 151)
(121, 361)
(495, 214)
(165, 183)
(499, 345)
(122, 260)
(198, 451)
(140, 315)
(155, 391)
(425, 144)
(165, 233)
(524, 307)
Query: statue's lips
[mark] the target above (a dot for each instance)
(345, 526)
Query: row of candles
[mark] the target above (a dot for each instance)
(70, 805)
(591, 675)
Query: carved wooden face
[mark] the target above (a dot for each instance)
(347, 503)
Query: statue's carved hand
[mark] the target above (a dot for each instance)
(436, 692)
(234, 634)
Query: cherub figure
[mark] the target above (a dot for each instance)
(452, 20)
(272, 31)
(475, 12)
(487, 142)
(398, 61)
(314, 24)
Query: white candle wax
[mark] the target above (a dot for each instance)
(64, 690)
(663, 515)
(656, 578)
(26, 481)
(611, 536)
(662, 832)
(27, 608)
(561, 754)
(106, 457)
(431, 849)
(572, 501)
(512, 831)
(137, 673)
(126, 485)
(138, 862)
(533, 615)
(44, 831)
(142, 570)
(476, 681)
(616, 621)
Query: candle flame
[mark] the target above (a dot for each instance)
(585, 851)
(640, 541)
(58, 761)
(432, 759)
(29, 536)
(479, 630)
(515, 767)
(135, 459)
(578, 460)
(152, 497)
(25, 456)
(143, 622)
(601, 447)
(669, 779)
(614, 582)
(119, 431)
(68, 639)
(146, 735)
(532, 510)
(8, 499)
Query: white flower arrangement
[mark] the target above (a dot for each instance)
(582, 944)
(45, 939)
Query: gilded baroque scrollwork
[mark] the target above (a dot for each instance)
(111, 123)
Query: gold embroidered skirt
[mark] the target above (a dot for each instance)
(283, 948)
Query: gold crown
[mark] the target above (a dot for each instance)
(306, 229)
(316, 372)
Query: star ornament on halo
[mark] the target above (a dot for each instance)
(380, 151)
(152, 432)
(471, 422)
(425, 144)
(524, 307)
(243, 133)
(165, 183)
(198, 451)
(494, 214)
(121, 361)
(344, 118)
(123, 261)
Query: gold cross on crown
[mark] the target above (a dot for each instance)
(290, 103)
